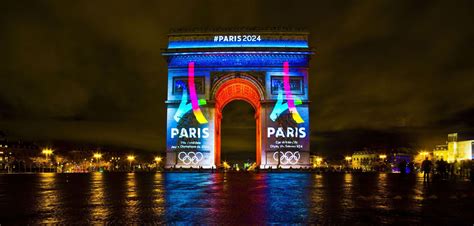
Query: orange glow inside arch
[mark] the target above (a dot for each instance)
(237, 89)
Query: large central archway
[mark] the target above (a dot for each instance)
(237, 89)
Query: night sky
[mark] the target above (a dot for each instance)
(385, 73)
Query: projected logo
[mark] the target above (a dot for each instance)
(290, 102)
(190, 158)
(287, 157)
(184, 106)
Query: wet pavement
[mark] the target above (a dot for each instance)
(238, 198)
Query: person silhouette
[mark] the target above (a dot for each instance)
(411, 167)
(402, 166)
(426, 168)
(441, 168)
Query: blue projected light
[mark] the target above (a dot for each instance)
(263, 43)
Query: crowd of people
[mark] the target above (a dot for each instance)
(444, 170)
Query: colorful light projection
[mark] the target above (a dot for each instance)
(287, 157)
(190, 158)
(238, 66)
(184, 106)
(291, 102)
(212, 44)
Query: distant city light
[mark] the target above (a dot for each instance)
(158, 159)
(226, 165)
(97, 156)
(382, 157)
(47, 151)
(131, 158)
(348, 158)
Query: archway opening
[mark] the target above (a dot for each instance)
(238, 133)
(231, 90)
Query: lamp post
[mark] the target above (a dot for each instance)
(97, 157)
(130, 159)
(47, 152)
(424, 154)
(382, 158)
(348, 159)
(158, 161)
(225, 165)
(319, 160)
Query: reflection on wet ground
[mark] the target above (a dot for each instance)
(245, 198)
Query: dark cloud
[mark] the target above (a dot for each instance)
(93, 72)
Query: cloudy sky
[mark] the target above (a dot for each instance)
(385, 72)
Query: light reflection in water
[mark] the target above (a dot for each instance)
(236, 198)
(47, 205)
(224, 198)
(283, 197)
(381, 195)
(131, 200)
(347, 198)
(317, 198)
(158, 195)
(99, 210)
(188, 197)
(231, 192)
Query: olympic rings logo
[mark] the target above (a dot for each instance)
(190, 157)
(287, 157)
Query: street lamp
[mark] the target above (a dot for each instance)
(318, 161)
(47, 152)
(130, 159)
(383, 157)
(225, 165)
(348, 159)
(158, 159)
(97, 157)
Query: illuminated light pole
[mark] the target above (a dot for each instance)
(226, 165)
(47, 152)
(318, 161)
(158, 160)
(130, 159)
(382, 158)
(348, 159)
(97, 157)
(424, 154)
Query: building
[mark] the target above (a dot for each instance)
(5, 156)
(364, 160)
(459, 150)
(440, 152)
(454, 150)
(15, 155)
(317, 161)
(268, 68)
